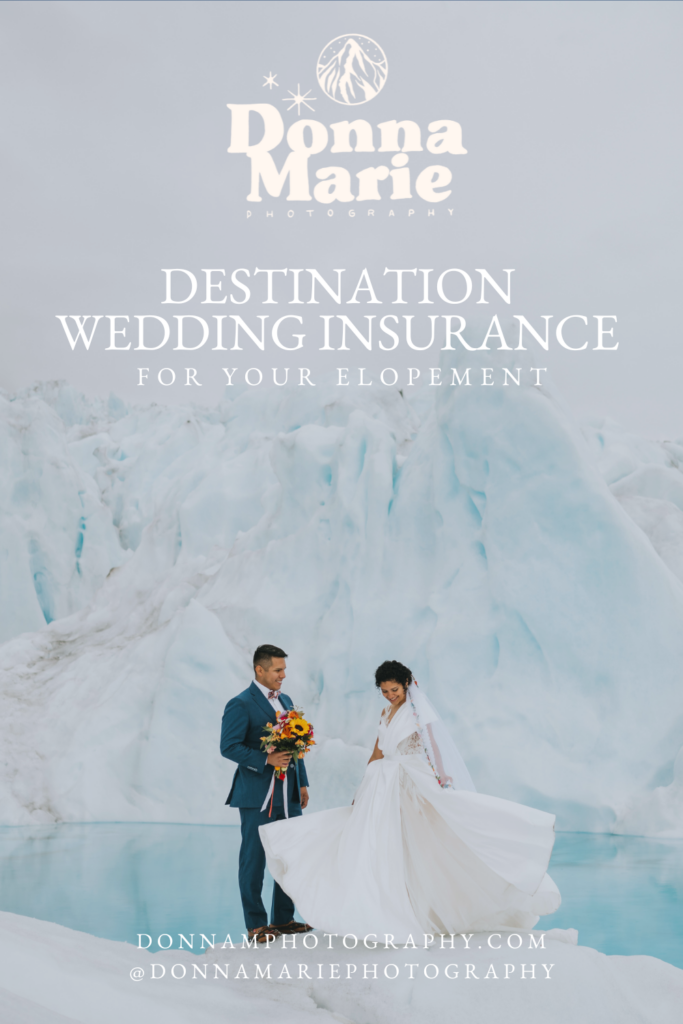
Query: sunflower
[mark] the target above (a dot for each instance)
(299, 727)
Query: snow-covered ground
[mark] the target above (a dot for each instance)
(527, 568)
(52, 975)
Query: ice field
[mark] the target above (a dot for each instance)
(88, 981)
(526, 567)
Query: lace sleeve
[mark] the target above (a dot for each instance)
(411, 745)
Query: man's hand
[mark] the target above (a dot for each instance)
(280, 760)
(304, 797)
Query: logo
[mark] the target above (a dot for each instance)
(352, 69)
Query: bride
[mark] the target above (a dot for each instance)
(419, 851)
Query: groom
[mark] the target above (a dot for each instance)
(243, 721)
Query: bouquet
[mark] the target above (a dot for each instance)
(290, 734)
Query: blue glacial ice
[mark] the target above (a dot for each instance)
(528, 568)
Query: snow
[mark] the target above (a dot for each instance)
(52, 974)
(526, 567)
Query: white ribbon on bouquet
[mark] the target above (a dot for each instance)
(270, 793)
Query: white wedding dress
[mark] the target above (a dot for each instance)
(410, 857)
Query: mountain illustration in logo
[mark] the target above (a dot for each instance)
(352, 69)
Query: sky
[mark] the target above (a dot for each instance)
(115, 143)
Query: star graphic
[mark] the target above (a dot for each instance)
(270, 81)
(297, 100)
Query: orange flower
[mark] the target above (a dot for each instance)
(289, 725)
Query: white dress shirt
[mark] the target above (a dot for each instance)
(275, 702)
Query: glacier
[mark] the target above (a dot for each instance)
(528, 568)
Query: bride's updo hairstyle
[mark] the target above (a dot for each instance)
(393, 670)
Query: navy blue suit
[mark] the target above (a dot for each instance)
(243, 721)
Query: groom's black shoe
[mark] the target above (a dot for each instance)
(292, 928)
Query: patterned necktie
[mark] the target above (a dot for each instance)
(272, 694)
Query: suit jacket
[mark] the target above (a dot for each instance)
(243, 721)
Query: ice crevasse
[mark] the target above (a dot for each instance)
(526, 567)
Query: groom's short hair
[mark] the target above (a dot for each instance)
(264, 654)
